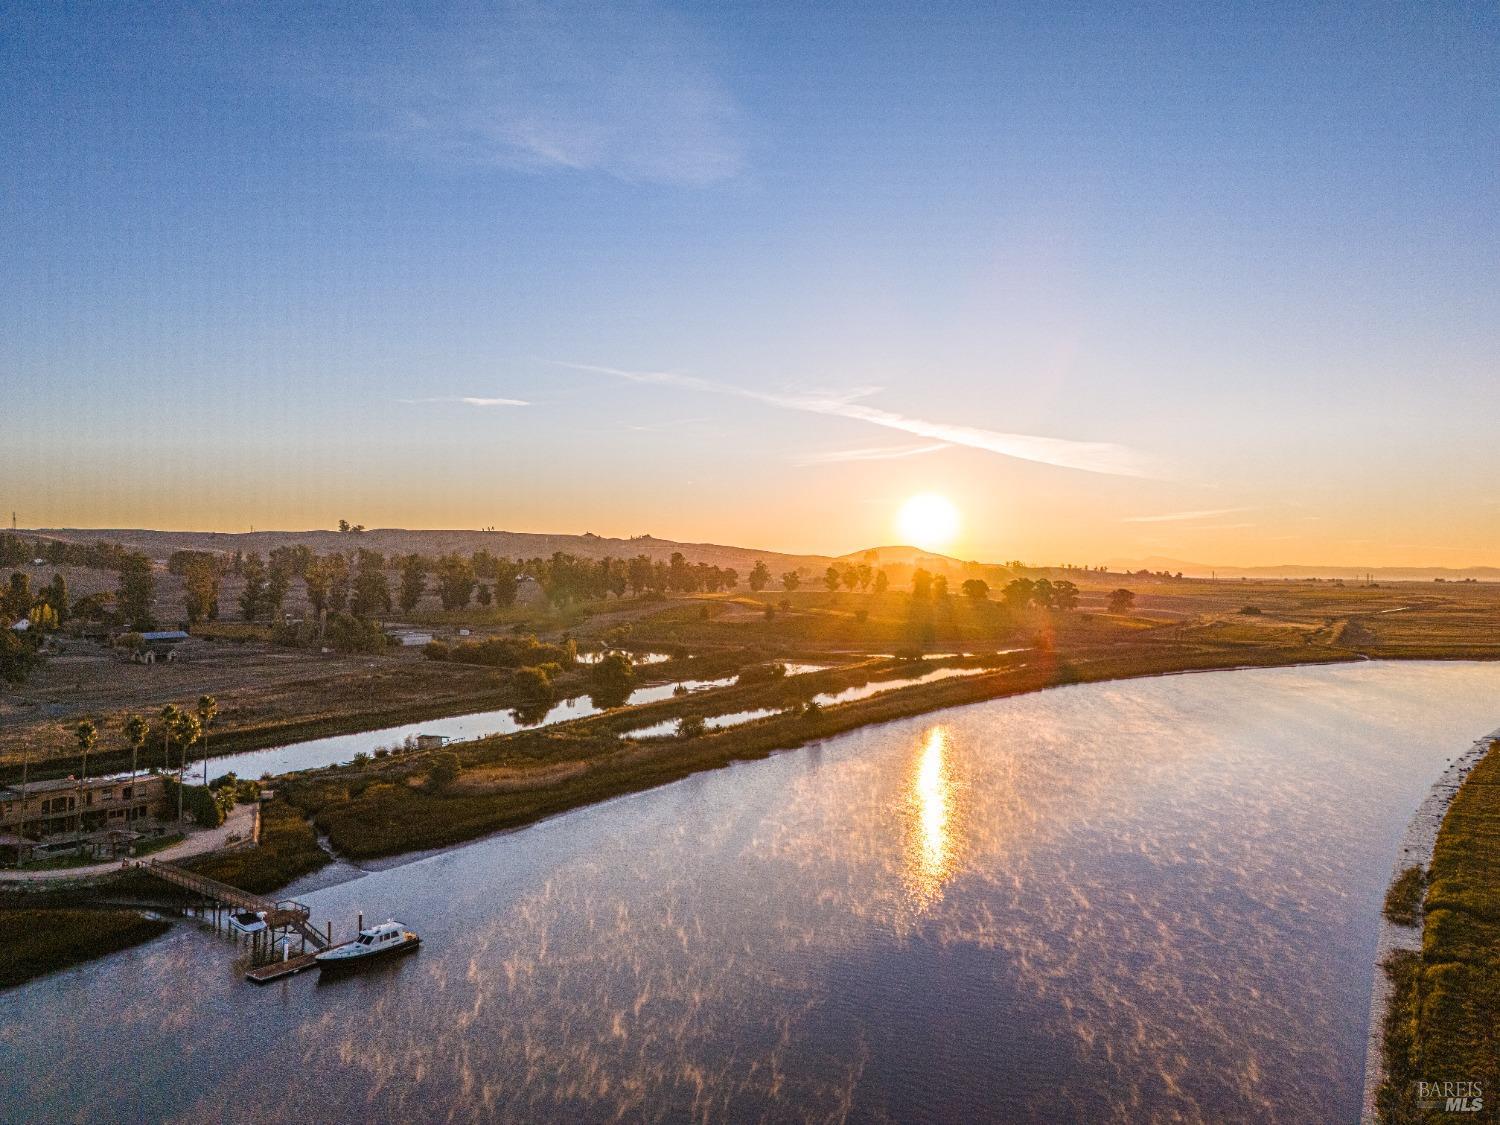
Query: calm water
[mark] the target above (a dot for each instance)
(670, 727)
(1141, 901)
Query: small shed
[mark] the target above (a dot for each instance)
(159, 646)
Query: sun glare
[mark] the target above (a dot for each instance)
(928, 521)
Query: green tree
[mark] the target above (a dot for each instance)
(55, 594)
(976, 589)
(455, 581)
(940, 586)
(17, 599)
(318, 577)
(200, 584)
(790, 581)
(1121, 600)
(865, 573)
(338, 583)
(532, 689)
(372, 592)
(413, 581)
(286, 563)
(253, 600)
(1043, 594)
(136, 732)
(18, 655)
(611, 679)
(851, 578)
(831, 579)
(87, 735)
(678, 578)
(185, 731)
(760, 576)
(1064, 595)
(882, 582)
(1017, 593)
(921, 584)
(507, 579)
(348, 633)
(208, 711)
(137, 586)
(168, 716)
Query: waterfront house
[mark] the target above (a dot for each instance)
(104, 811)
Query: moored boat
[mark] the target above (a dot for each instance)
(386, 939)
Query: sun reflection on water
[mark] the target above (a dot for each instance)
(931, 801)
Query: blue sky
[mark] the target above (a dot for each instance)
(761, 272)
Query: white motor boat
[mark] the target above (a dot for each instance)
(248, 921)
(386, 939)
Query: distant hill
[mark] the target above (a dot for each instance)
(1291, 570)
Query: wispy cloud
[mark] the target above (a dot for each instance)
(870, 453)
(1094, 457)
(623, 88)
(466, 400)
(1182, 517)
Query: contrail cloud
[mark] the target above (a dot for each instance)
(1092, 457)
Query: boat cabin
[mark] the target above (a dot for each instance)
(382, 934)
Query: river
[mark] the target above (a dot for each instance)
(1146, 900)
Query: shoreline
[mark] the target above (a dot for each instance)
(1416, 850)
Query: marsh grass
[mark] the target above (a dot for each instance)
(1445, 1023)
(38, 941)
(288, 849)
(1403, 901)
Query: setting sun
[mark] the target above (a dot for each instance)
(928, 521)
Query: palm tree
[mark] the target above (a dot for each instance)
(185, 732)
(136, 732)
(169, 715)
(87, 734)
(208, 709)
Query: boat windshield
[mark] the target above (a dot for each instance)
(366, 939)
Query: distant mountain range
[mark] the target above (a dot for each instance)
(897, 560)
(1289, 570)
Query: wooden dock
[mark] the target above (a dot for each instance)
(275, 970)
(284, 918)
(281, 914)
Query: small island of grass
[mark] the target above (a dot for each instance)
(39, 941)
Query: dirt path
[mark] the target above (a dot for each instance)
(243, 822)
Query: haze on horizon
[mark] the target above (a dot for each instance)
(1180, 282)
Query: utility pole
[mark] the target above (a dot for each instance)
(20, 827)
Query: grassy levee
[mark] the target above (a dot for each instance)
(36, 941)
(288, 849)
(355, 713)
(1446, 1009)
(386, 809)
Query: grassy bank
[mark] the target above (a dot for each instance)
(288, 849)
(393, 807)
(38, 941)
(1444, 1023)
